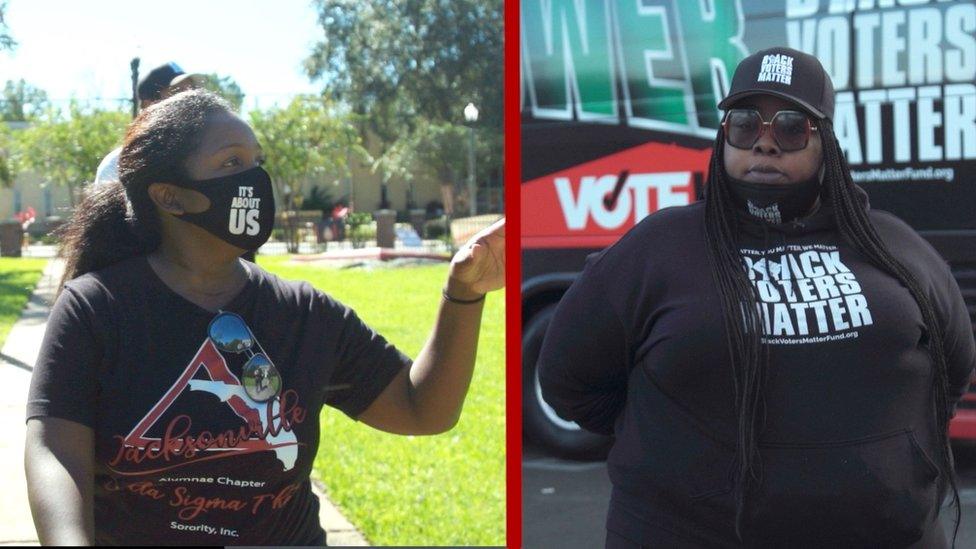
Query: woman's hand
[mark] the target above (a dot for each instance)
(427, 398)
(479, 266)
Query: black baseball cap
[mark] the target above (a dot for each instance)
(786, 73)
(152, 85)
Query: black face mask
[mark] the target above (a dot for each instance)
(775, 203)
(241, 209)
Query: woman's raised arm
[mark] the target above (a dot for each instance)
(427, 398)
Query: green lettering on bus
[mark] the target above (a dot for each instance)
(713, 44)
(654, 75)
(567, 61)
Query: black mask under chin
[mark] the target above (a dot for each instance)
(775, 202)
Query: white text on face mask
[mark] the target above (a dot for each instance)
(244, 211)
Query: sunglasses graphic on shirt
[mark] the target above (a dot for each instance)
(230, 334)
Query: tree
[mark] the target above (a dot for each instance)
(66, 150)
(402, 59)
(310, 138)
(7, 166)
(6, 41)
(226, 87)
(408, 67)
(440, 152)
(22, 101)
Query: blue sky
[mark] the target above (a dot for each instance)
(82, 50)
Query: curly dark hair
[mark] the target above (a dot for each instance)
(118, 220)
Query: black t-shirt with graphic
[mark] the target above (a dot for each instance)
(184, 455)
(849, 449)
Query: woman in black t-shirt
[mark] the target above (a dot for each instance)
(778, 363)
(176, 395)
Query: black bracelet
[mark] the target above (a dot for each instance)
(462, 301)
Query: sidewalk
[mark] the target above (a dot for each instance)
(17, 358)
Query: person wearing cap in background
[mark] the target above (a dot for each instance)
(778, 362)
(160, 83)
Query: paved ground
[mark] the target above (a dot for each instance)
(564, 503)
(17, 357)
(16, 361)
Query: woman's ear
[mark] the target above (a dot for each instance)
(166, 197)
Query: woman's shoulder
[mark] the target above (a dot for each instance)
(888, 221)
(672, 218)
(910, 248)
(298, 293)
(107, 281)
(901, 239)
(666, 229)
(95, 297)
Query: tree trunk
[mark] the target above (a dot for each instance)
(291, 231)
(447, 196)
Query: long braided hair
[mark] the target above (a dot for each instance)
(743, 323)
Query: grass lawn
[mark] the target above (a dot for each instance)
(442, 490)
(18, 276)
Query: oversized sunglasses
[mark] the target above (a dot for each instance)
(790, 129)
(230, 334)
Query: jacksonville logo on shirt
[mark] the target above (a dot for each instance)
(263, 426)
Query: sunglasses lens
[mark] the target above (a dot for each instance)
(791, 130)
(742, 128)
(261, 379)
(230, 334)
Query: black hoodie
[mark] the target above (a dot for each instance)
(850, 452)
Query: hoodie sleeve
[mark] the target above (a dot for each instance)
(958, 343)
(583, 364)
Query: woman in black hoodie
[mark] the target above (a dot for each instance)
(778, 362)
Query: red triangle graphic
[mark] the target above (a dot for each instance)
(210, 359)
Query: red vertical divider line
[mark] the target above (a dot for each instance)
(513, 280)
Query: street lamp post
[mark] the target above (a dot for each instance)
(134, 69)
(471, 116)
